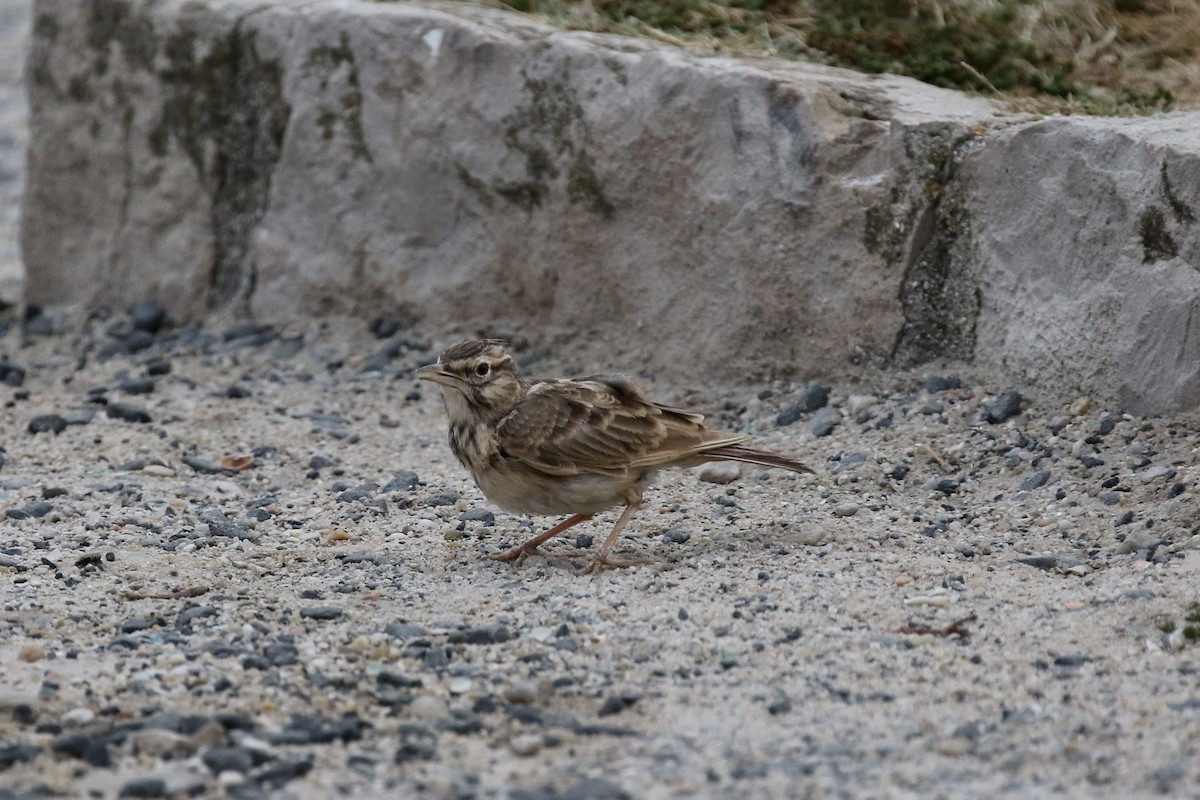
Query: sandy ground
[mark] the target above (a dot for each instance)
(870, 631)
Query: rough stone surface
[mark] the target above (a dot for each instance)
(1088, 248)
(481, 168)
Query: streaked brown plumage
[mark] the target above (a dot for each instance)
(573, 447)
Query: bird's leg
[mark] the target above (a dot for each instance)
(602, 560)
(530, 548)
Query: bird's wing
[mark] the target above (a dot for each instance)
(601, 424)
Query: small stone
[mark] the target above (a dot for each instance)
(320, 612)
(83, 747)
(403, 630)
(149, 317)
(479, 515)
(228, 759)
(824, 421)
(845, 510)
(1004, 407)
(482, 634)
(811, 398)
(47, 422)
(138, 386)
(930, 407)
(615, 704)
(158, 368)
(77, 717)
(127, 412)
(858, 403)
(594, 789)
(811, 535)
(144, 787)
(522, 693)
(721, 472)
(237, 392)
(676, 535)
(1035, 481)
(320, 462)
(442, 499)
(402, 481)
(526, 744)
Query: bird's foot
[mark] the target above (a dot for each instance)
(517, 555)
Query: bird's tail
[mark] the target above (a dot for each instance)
(736, 452)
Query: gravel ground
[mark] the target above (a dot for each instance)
(247, 564)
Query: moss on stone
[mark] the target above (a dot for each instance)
(1179, 209)
(346, 110)
(1157, 242)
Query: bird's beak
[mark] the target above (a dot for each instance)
(436, 373)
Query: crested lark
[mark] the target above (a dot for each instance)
(573, 447)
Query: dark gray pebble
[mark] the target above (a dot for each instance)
(1035, 481)
(947, 486)
(138, 386)
(141, 624)
(148, 316)
(281, 654)
(47, 422)
(482, 634)
(144, 787)
(229, 759)
(1124, 519)
(276, 776)
(237, 392)
(478, 515)
(615, 704)
(17, 753)
(812, 397)
(360, 492)
(320, 462)
(11, 374)
(320, 612)
(934, 384)
(158, 368)
(402, 481)
(289, 346)
(1071, 660)
(1176, 489)
(780, 705)
(38, 509)
(1109, 498)
(386, 678)
(386, 327)
(190, 615)
(595, 789)
(824, 421)
(676, 535)
(203, 465)
(36, 323)
(246, 330)
(417, 743)
(442, 499)
(127, 412)
(584, 540)
(1004, 407)
(221, 525)
(83, 747)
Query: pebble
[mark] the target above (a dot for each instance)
(522, 692)
(811, 535)
(526, 744)
(77, 717)
(845, 510)
(138, 386)
(149, 317)
(229, 759)
(43, 423)
(1004, 407)
(127, 412)
(935, 384)
(417, 743)
(83, 747)
(320, 612)
(811, 397)
(858, 403)
(824, 421)
(720, 472)
(144, 787)
(676, 535)
(594, 789)
(482, 634)
(1035, 481)
(402, 481)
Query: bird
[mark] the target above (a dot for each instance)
(569, 446)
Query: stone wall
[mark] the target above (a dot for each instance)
(478, 171)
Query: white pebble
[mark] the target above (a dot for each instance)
(428, 707)
(78, 716)
(526, 744)
(720, 472)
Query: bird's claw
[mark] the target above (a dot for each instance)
(518, 554)
(601, 561)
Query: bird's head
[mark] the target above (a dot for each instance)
(477, 378)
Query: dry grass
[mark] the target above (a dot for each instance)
(1071, 56)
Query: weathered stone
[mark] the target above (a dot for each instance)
(284, 158)
(1083, 219)
(377, 156)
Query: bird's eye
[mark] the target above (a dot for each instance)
(483, 369)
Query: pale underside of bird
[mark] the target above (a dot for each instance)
(575, 447)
